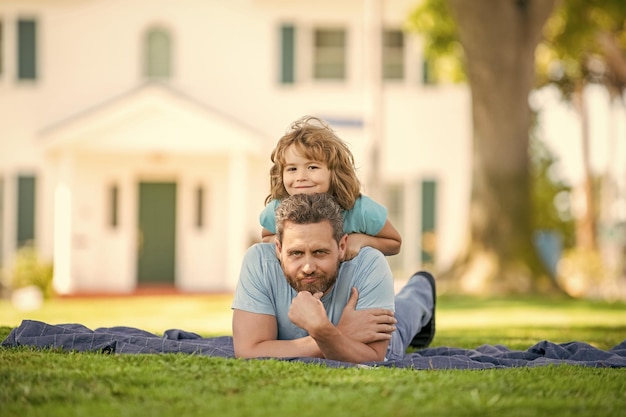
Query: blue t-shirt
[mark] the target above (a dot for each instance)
(366, 216)
(263, 288)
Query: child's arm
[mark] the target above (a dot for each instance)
(267, 236)
(388, 241)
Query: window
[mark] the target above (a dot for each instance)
(114, 196)
(26, 49)
(329, 54)
(25, 210)
(393, 55)
(158, 54)
(287, 58)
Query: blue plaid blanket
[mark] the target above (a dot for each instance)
(128, 340)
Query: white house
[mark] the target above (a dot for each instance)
(135, 135)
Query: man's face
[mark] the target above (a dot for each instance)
(310, 256)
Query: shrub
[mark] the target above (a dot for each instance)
(29, 270)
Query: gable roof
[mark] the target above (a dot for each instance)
(153, 118)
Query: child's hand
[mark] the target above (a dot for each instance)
(354, 244)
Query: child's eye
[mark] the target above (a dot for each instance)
(313, 167)
(290, 169)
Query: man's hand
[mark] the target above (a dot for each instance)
(366, 326)
(307, 311)
(363, 337)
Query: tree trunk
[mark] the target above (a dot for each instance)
(586, 224)
(499, 39)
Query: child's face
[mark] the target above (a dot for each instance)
(303, 176)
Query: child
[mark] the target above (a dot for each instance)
(310, 158)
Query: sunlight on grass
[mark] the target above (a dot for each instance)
(203, 314)
(501, 317)
(211, 314)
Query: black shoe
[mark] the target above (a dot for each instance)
(427, 333)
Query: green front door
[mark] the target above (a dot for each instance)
(156, 258)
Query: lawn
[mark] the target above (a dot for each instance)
(46, 383)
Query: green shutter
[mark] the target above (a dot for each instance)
(429, 221)
(26, 50)
(288, 50)
(25, 210)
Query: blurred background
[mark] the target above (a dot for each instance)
(135, 137)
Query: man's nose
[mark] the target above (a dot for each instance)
(309, 267)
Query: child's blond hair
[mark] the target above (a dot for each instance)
(315, 140)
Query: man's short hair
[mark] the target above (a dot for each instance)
(308, 209)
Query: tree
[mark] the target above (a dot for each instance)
(498, 41)
(585, 43)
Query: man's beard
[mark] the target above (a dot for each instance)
(321, 284)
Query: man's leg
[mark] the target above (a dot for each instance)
(415, 312)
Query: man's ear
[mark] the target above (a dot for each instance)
(277, 247)
(343, 244)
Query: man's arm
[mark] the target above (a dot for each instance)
(307, 312)
(254, 336)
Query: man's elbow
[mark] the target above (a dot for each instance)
(244, 352)
(379, 351)
(247, 352)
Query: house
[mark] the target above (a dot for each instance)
(135, 136)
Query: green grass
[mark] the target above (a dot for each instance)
(51, 383)
(205, 314)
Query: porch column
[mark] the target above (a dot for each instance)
(237, 235)
(8, 218)
(62, 253)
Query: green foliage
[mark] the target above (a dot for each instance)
(29, 270)
(551, 195)
(583, 273)
(572, 52)
(442, 49)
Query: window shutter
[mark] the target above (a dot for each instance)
(26, 50)
(287, 57)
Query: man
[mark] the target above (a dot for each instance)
(296, 298)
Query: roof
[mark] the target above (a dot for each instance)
(153, 118)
